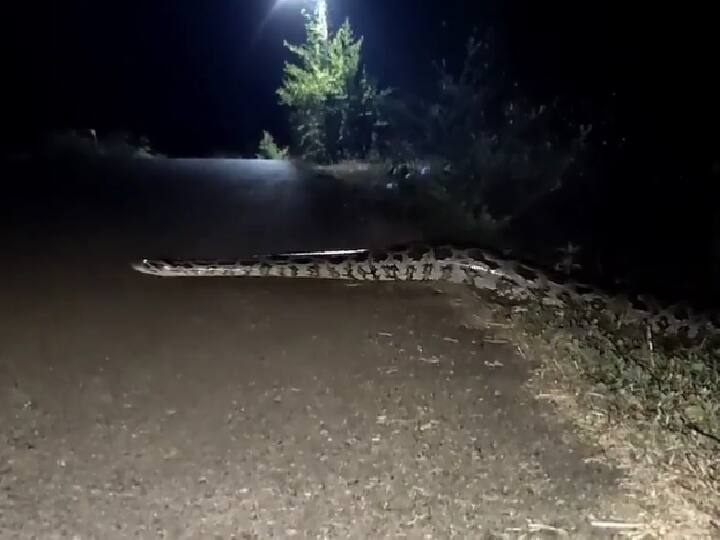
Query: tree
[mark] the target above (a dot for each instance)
(334, 103)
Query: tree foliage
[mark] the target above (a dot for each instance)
(334, 104)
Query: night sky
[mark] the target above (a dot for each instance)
(199, 77)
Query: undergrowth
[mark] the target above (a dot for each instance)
(650, 400)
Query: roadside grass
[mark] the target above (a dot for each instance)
(649, 401)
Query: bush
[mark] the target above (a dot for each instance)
(87, 143)
(496, 153)
(268, 148)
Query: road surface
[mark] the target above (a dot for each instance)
(133, 406)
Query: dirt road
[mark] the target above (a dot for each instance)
(139, 407)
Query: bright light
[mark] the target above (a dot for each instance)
(320, 7)
(280, 3)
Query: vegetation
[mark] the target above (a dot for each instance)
(87, 143)
(334, 105)
(649, 398)
(495, 153)
(269, 149)
(477, 152)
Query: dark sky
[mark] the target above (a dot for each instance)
(199, 76)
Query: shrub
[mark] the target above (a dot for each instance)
(498, 152)
(268, 148)
(87, 143)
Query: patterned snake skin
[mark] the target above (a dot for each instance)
(475, 267)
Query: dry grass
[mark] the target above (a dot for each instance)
(650, 403)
